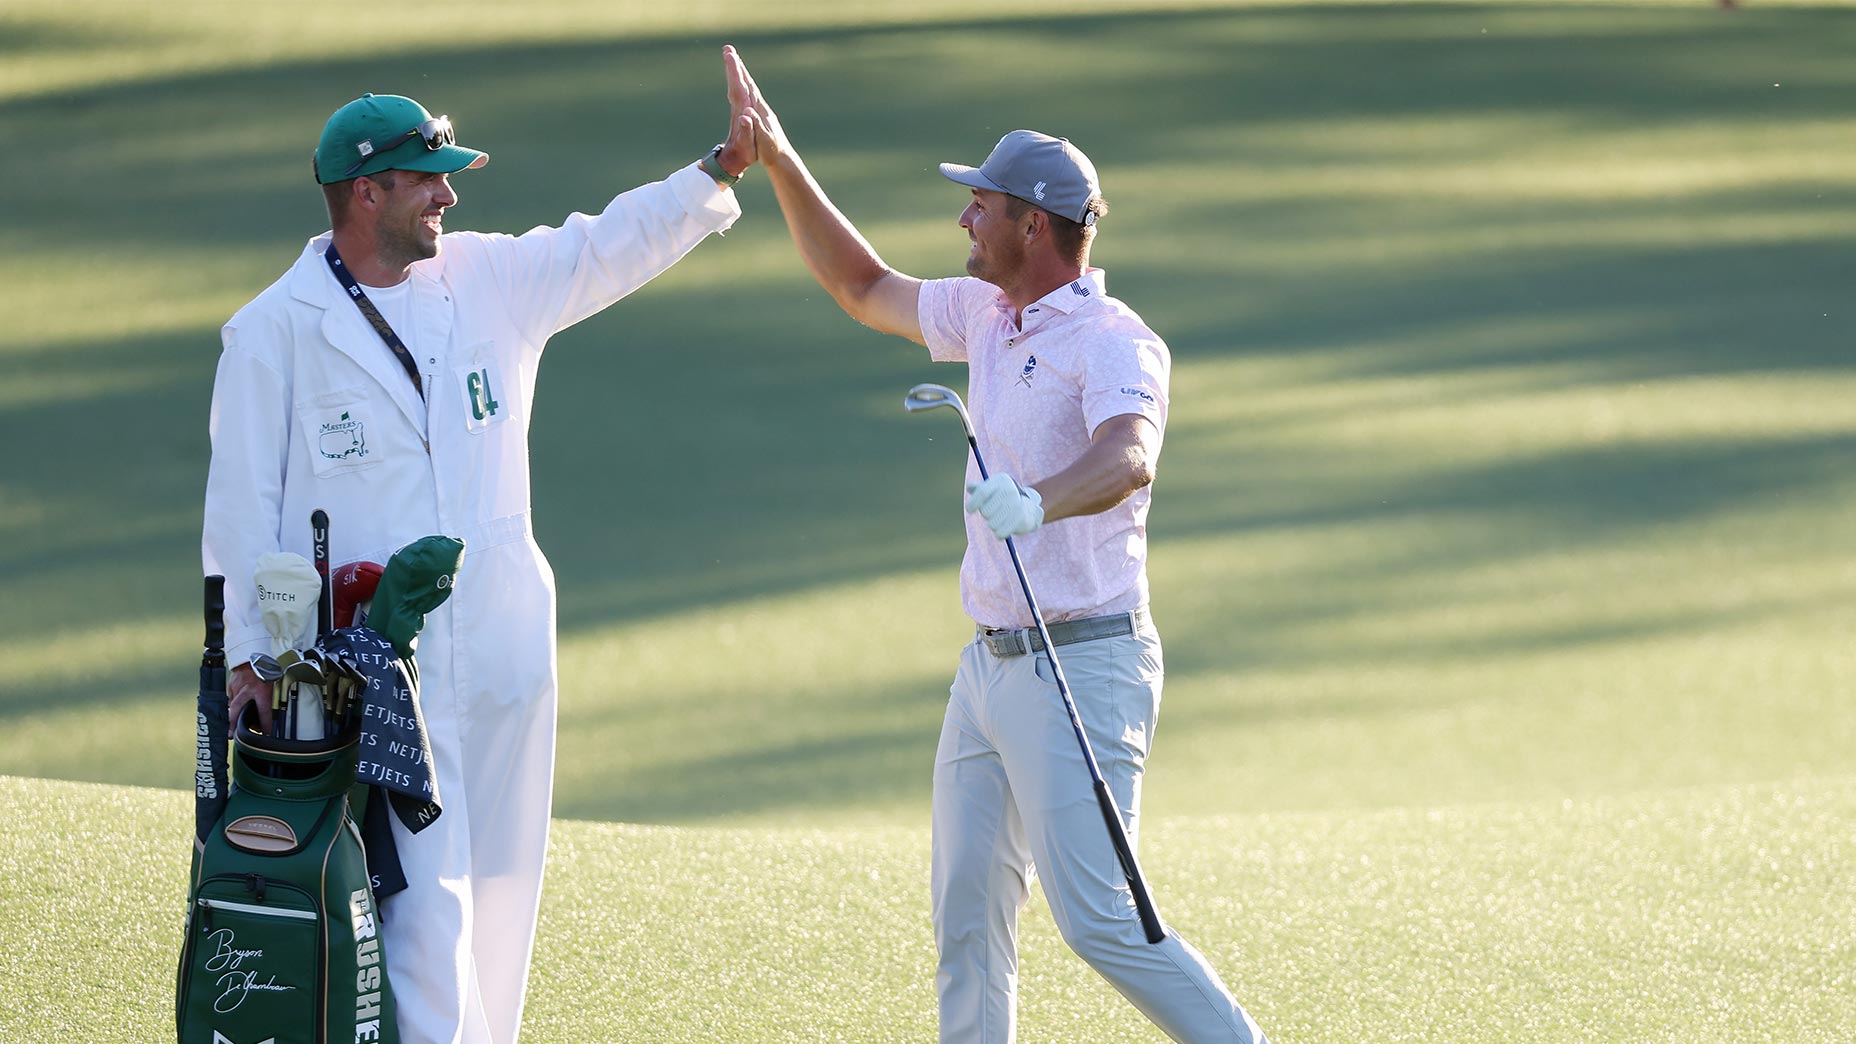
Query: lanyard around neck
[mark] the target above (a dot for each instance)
(400, 351)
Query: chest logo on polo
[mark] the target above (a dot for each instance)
(1031, 368)
(485, 401)
(344, 438)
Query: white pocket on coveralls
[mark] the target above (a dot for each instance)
(338, 429)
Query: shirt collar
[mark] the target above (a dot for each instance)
(1063, 300)
(1073, 295)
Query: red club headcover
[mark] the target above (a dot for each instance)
(353, 585)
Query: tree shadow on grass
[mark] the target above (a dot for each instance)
(701, 442)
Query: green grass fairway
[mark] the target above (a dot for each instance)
(1715, 913)
(1502, 544)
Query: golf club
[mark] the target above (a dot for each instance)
(927, 397)
(319, 541)
(308, 717)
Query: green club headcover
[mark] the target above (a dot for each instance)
(417, 580)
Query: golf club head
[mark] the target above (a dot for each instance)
(267, 667)
(928, 396)
(304, 672)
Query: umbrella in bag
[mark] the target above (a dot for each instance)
(211, 725)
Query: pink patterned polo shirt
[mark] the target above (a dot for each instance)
(1036, 393)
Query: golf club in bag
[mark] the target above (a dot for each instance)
(927, 397)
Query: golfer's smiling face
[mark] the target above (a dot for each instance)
(998, 247)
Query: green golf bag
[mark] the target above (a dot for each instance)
(283, 939)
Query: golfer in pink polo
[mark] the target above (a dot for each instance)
(1067, 388)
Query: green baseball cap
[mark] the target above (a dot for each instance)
(377, 132)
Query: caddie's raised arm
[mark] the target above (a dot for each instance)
(839, 257)
(557, 276)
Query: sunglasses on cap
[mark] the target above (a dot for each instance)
(436, 133)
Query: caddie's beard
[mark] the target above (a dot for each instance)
(399, 247)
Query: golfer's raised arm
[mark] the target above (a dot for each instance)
(842, 261)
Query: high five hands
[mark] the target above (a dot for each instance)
(754, 132)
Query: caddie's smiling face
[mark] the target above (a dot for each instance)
(411, 215)
(998, 243)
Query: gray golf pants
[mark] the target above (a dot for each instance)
(1012, 799)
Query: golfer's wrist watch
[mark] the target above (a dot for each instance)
(712, 165)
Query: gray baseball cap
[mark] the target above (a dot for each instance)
(1045, 172)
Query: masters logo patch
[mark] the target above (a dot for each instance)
(344, 438)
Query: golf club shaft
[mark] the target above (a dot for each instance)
(1111, 816)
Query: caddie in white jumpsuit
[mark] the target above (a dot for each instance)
(312, 408)
(1068, 394)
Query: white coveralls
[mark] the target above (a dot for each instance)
(312, 410)
(1012, 794)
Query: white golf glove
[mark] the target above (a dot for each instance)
(1007, 507)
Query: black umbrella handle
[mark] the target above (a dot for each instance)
(215, 620)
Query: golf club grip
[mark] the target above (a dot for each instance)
(325, 602)
(1143, 903)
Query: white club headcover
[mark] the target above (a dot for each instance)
(288, 587)
(1008, 508)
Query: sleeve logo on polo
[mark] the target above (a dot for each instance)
(1141, 394)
